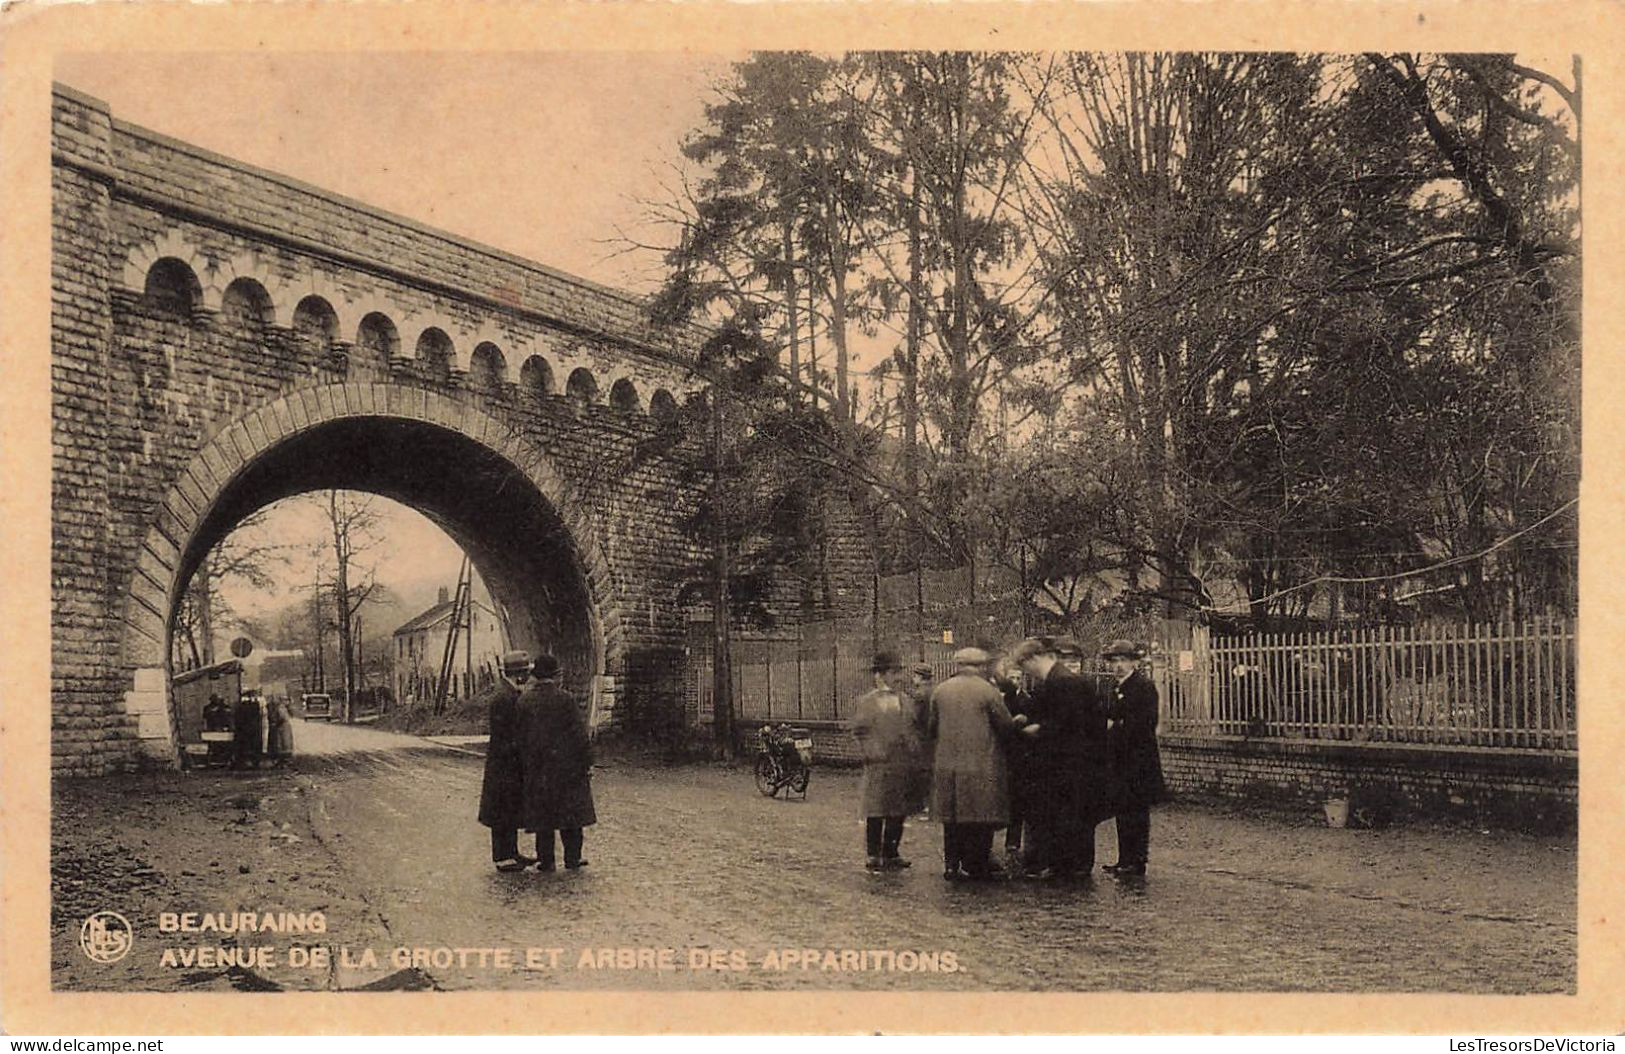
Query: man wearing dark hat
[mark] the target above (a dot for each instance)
(248, 729)
(1136, 763)
(1069, 653)
(502, 789)
(889, 743)
(970, 784)
(558, 766)
(1069, 764)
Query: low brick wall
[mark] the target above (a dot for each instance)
(1528, 790)
(1525, 790)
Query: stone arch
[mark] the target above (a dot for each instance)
(172, 244)
(468, 342)
(377, 341)
(582, 385)
(206, 500)
(235, 272)
(435, 349)
(623, 396)
(172, 286)
(536, 377)
(288, 296)
(245, 301)
(663, 405)
(315, 322)
(487, 368)
(352, 310)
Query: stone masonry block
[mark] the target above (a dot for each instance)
(150, 680)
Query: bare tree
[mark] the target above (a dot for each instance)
(242, 559)
(353, 521)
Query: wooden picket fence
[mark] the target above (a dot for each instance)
(1506, 686)
(806, 678)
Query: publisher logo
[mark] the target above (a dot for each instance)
(106, 937)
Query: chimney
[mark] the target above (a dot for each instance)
(445, 595)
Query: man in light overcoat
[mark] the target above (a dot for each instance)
(970, 785)
(888, 740)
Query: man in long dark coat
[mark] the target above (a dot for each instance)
(918, 697)
(888, 737)
(1069, 764)
(248, 731)
(502, 790)
(557, 766)
(1136, 762)
(1018, 757)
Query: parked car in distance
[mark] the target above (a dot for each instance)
(317, 704)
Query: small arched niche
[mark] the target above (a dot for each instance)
(487, 368)
(582, 386)
(623, 396)
(536, 376)
(315, 323)
(663, 406)
(435, 350)
(246, 305)
(172, 288)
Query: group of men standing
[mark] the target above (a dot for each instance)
(538, 766)
(1036, 747)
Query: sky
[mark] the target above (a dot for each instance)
(523, 152)
(409, 552)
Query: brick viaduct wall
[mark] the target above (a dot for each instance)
(298, 307)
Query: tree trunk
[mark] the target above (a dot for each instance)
(341, 590)
(204, 601)
(792, 309)
(911, 386)
(721, 640)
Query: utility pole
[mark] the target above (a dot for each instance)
(321, 635)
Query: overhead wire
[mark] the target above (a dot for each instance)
(1453, 561)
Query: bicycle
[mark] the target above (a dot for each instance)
(784, 760)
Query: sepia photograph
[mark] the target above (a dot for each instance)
(803, 520)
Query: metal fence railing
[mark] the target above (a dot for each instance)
(1498, 686)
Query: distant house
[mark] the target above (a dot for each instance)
(277, 673)
(420, 650)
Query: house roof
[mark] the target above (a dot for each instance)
(435, 615)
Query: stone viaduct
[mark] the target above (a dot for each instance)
(223, 337)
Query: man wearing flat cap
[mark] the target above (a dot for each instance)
(888, 739)
(502, 789)
(1069, 762)
(969, 789)
(1136, 763)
